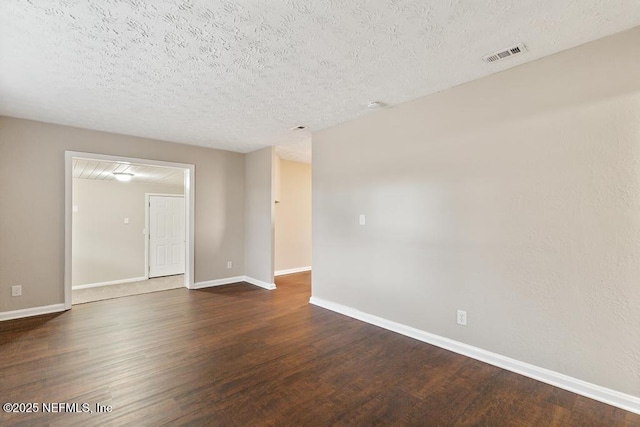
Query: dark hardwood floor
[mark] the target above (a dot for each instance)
(239, 355)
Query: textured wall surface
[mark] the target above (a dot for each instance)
(515, 197)
(104, 247)
(293, 216)
(32, 204)
(238, 75)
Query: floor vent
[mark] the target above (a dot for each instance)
(505, 53)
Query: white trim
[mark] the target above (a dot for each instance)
(256, 282)
(592, 391)
(236, 279)
(33, 311)
(109, 283)
(189, 199)
(190, 219)
(218, 282)
(146, 234)
(68, 226)
(292, 270)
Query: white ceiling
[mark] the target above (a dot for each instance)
(103, 171)
(238, 75)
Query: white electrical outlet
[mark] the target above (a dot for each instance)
(126, 220)
(16, 291)
(229, 264)
(363, 219)
(462, 317)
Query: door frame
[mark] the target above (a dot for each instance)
(147, 232)
(189, 201)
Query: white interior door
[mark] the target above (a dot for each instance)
(166, 235)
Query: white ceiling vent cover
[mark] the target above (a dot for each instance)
(505, 53)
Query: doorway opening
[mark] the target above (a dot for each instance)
(292, 215)
(108, 227)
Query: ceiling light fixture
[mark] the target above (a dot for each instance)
(123, 176)
(374, 105)
(298, 128)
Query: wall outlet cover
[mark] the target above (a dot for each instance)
(461, 317)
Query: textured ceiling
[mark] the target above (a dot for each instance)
(238, 75)
(103, 171)
(300, 152)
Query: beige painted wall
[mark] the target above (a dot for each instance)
(32, 204)
(104, 247)
(293, 216)
(515, 197)
(259, 201)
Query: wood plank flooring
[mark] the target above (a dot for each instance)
(239, 355)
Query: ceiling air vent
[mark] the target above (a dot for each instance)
(505, 53)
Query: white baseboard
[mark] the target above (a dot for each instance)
(292, 270)
(236, 279)
(112, 282)
(218, 282)
(33, 311)
(615, 398)
(256, 282)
